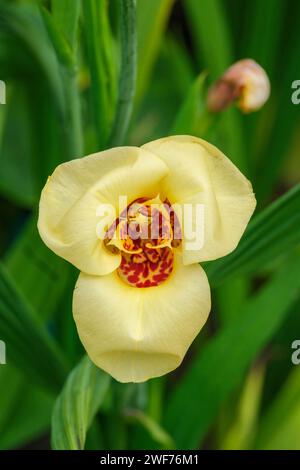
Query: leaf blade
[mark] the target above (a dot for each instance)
(273, 232)
(29, 345)
(77, 405)
(261, 318)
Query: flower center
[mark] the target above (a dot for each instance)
(145, 234)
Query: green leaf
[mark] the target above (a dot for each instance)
(12, 380)
(27, 414)
(28, 344)
(60, 44)
(210, 33)
(128, 69)
(163, 98)
(101, 58)
(66, 15)
(156, 432)
(260, 38)
(77, 405)
(18, 181)
(230, 296)
(240, 434)
(213, 43)
(231, 138)
(175, 57)
(45, 272)
(26, 34)
(262, 32)
(152, 17)
(276, 148)
(193, 117)
(222, 364)
(279, 427)
(272, 233)
(35, 86)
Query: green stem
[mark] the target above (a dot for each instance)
(156, 392)
(117, 426)
(73, 125)
(127, 78)
(66, 55)
(94, 24)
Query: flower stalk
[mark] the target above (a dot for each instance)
(127, 78)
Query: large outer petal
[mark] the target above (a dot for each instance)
(72, 196)
(136, 334)
(201, 174)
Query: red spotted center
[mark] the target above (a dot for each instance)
(145, 234)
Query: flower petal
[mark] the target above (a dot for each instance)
(201, 174)
(69, 218)
(136, 334)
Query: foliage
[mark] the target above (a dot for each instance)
(81, 76)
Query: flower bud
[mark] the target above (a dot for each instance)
(245, 82)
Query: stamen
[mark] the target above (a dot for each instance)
(146, 241)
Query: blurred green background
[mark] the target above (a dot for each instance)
(62, 62)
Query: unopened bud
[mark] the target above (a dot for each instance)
(245, 82)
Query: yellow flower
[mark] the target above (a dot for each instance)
(141, 299)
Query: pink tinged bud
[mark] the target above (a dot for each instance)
(245, 82)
